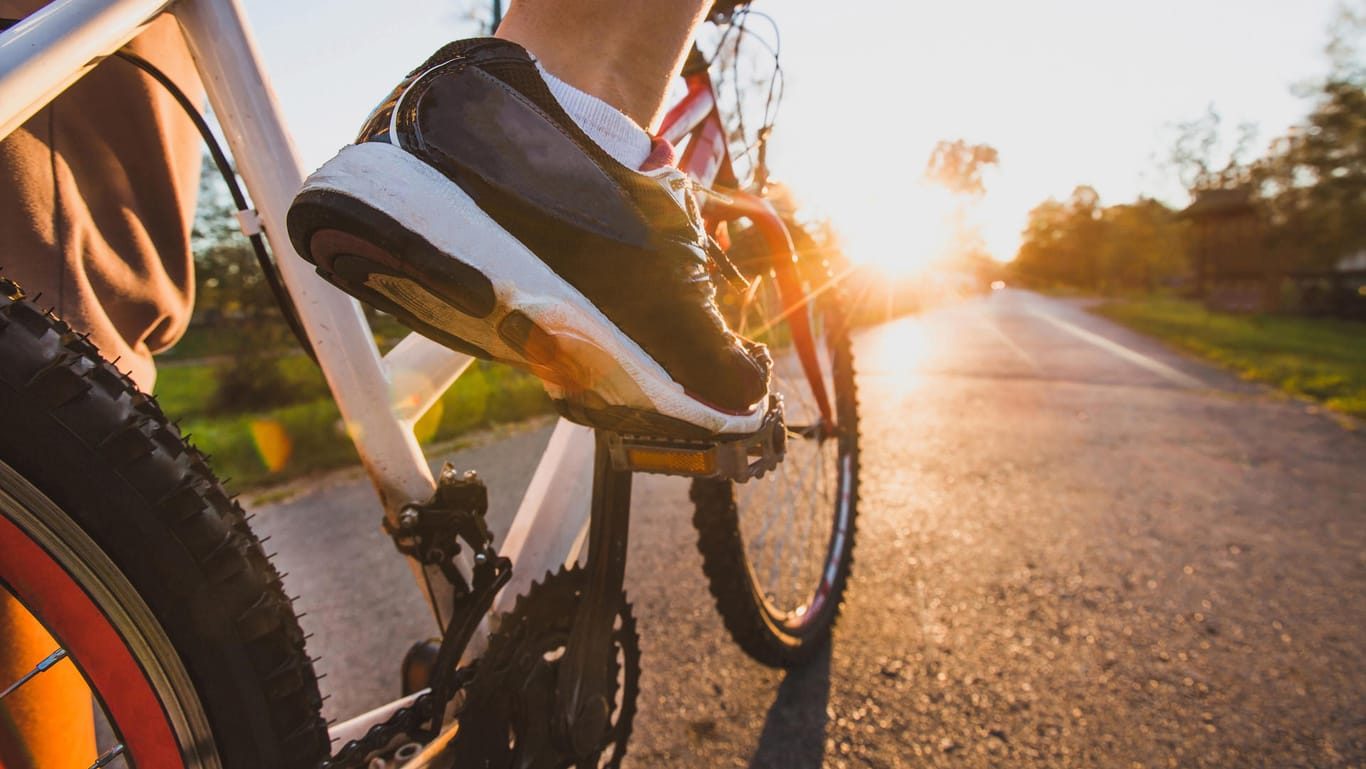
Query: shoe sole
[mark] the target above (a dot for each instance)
(390, 230)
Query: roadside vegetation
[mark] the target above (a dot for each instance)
(1264, 271)
(1320, 359)
(1260, 227)
(265, 419)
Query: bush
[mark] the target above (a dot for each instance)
(257, 376)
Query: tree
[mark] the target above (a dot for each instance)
(1062, 241)
(1195, 153)
(1081, 243)
(1312, 185)
(1142, 246)
(957, 166)
(1044, 252)
(228, 278)
(1347, 60)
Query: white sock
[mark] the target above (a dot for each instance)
(608, 127)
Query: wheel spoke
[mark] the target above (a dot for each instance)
(782, 510)
(777, 502)
(791, 508)
(799, 485)
(41, 667)
(792, 500)
(801, 506)
(764, 517)
(108, 757)
(776, 566)
(797, 400)
(800, 566)
(817, 505)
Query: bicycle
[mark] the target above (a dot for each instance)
(117, 536)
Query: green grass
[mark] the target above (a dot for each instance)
(185, 390)
(205, 341)
(276, 444)
(1324, 360)
(188, 389)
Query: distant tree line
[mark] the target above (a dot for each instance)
(1079, 242)
(1308, 192)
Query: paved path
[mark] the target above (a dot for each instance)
(1076, 549)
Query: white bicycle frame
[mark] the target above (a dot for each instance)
(54, 47)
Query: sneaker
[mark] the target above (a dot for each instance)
(473, 208)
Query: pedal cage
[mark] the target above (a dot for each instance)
(737, 459)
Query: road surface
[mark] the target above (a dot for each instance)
(1076, 549)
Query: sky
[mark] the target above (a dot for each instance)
(1068, 91)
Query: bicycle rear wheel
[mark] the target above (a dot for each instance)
(778, 550)
(121, 544)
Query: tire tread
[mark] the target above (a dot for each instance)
(211, 587)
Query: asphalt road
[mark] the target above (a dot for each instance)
(1075, 549)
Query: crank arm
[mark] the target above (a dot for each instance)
(582, 697)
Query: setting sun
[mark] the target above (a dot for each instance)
(901, 235)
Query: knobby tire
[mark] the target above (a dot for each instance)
(103, 457)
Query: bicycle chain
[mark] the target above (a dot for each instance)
(538, 612)
(407, 721)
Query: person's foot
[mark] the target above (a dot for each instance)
(474, 209)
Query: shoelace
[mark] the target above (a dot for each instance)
(717, 260)
(718, 263)
(721, 263)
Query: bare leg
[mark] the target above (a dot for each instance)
(634, 48)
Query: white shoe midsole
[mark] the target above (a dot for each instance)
(424, 201)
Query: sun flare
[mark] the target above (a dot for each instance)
(901, 236)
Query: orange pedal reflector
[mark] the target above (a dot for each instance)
(729, 458)
(657, 460)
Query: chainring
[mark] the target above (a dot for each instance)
(510, 703)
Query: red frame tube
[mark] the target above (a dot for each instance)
(790, 286)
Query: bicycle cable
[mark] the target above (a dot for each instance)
(269, 268)
(737, 24)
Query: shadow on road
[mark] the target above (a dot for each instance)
(794, 731)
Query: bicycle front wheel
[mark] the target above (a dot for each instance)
(778, 550)
(120, 550)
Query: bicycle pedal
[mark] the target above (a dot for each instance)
(730, 459)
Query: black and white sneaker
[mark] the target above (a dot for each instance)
(475, 210)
